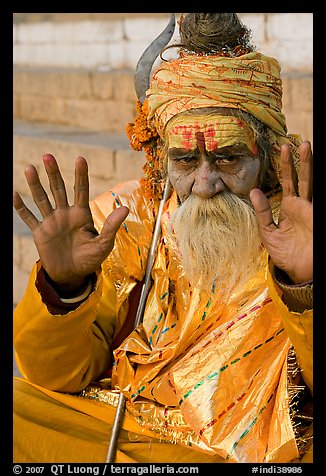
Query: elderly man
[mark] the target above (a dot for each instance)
(220, 367)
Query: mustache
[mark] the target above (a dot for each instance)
(221, 196)
(215, 206)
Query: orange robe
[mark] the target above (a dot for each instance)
(205, 380)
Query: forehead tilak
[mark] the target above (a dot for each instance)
(210, 133)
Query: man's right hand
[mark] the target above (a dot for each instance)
(68, 244)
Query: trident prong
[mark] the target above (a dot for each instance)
(147, 59)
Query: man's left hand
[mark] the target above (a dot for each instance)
(290, 242)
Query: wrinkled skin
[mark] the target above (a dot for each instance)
(290, 242)
(70, 249)
(205, 170)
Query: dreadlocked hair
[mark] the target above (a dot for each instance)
(220, 34)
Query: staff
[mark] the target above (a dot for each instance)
(119, 415)
(142, 75)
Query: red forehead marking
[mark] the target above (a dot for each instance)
(200, 138)
(203, 139)
(187, 144)
(255, 149)
(212, 144)
(210, 133)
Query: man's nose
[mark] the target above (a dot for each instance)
(207, 182)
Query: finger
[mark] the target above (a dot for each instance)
(38, 193)
(57, 184)
(262, 208)
(113, 223)
(305, 173)
(289, 176)
(81, 186)
(25, 214)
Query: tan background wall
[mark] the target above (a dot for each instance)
(74, 94)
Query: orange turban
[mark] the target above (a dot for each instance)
(250, 82)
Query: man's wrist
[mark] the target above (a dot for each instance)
(54, 302)
(68, 290)
(81, 295)
(298, 297)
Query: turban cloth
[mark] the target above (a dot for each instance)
(250, 82)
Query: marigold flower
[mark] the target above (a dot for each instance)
(144, 137)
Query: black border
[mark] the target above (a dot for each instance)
(7, 210)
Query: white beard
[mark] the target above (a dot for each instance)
(217, 239)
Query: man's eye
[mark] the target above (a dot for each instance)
(187, 159)
(226, 159)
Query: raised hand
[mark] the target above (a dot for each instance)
(69, 246)
(290, 242)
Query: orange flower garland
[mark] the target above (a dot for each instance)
(144, 137)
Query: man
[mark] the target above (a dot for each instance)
(220, 369)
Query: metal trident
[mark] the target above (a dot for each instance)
(142, 81)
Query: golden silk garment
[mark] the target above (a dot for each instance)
(198, 371)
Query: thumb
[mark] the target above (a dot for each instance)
(263, 209)
(113, 223)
